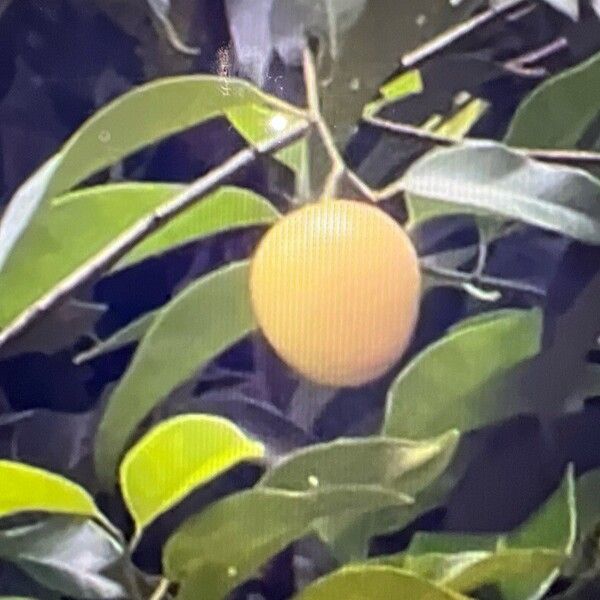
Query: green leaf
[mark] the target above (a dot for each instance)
(457, 126)
(24, 488)
(400, 87)
(177, 456)
(588, 501)
(117, 130)
(22, 207)
(271, 122)
(460, 123)
(374, 582)
(522, 563)
(74, 228)
(66, 554)
(130, 334)
(225, 544)
(127, 124)
(196, 326)
(450, 383)
(489, 177)
(68, 231)
(227, 208)
(559, 111)
(396, 464)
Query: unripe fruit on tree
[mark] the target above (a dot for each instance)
(335, 288)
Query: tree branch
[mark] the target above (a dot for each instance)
(145, 226)
(521, 65)
(339, 169)
(442, 41)
(161, 590)
(464, 278)
(548, 155)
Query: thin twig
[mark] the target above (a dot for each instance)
(550, 155)
(442, 41)
(462, 277)
(521, 65)
(147, 225)
(339, 169)
(161, 590)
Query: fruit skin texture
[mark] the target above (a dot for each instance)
(335, 288)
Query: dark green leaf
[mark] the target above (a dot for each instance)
(225, 544)
(196, 326)
(489, 177)
(522, 563)
(450, 383)
(67, 555)
(559, 111)
(130, 334)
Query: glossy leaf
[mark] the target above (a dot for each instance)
(489, 177)
(75, 227)
(130, 334)
(65, 554)
(522, 563)
(226, 543)
(177, 456)
(196, 326)
(373, 582)
(447, 384)
(24, 488)
(560, 110)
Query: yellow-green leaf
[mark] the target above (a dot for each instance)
(24, 488)
(177, 456)
(405, 84)
(375, 582)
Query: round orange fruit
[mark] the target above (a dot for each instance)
(335, 288)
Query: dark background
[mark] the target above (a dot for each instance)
(62, 59)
